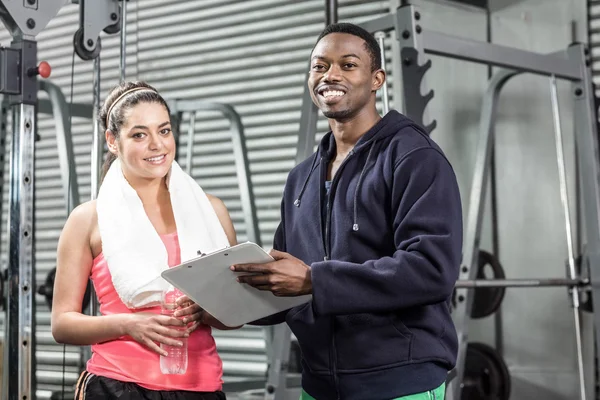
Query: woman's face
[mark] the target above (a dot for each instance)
(146, 146)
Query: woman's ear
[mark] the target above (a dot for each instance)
(111, 142)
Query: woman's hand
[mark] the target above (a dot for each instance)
(149, 328)
(195, 315)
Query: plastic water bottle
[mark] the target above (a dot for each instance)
(176, 361)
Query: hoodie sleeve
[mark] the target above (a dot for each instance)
(427, 230)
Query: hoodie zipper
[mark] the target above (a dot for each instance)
(333, 358)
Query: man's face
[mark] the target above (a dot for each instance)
(341, 82)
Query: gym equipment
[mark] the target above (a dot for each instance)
(486, 375)
(564, 196)
(488, 298)
(19, 69)
(47, 290)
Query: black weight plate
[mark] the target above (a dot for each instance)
(47, 290)
(487, 300)
(486, 376)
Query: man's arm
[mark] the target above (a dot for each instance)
(428, 237)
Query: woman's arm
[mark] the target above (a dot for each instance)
(224, 218)
(74, 263)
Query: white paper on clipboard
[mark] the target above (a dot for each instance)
(209, 282)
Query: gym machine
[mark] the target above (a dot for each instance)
(572, 64)
(18, 80)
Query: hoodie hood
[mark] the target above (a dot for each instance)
(392, 123)
(387, 126)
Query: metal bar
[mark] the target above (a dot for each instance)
(97, 139)
(190, 143)
(241, 157)
(414, 67)
(77, 109)
(3, 135)
(123, 50)
(331, 12)
(531, 282)
(20, 322)
(481, 52)
(309, 116)
(383, 24)
(564, 196)
(64, 143)
(380, 36)
(586, 140)
(474, 223)
(278, 368)
(500, 56)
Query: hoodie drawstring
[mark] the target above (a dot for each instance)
(356, 191)
(355, 226)
(312, 168)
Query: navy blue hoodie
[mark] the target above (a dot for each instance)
(384, 247)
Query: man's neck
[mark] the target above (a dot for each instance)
(348, 132)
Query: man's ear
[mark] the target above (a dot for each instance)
(111, 142)
(378, 80)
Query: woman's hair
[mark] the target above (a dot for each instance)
(111, 115)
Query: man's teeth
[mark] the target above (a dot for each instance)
(155, 158)
(329, 93)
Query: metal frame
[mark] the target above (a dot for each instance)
(18, 79)
(415, 43)
(178, 107)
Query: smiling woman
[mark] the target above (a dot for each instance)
(149, 216)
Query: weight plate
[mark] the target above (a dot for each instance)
(47, 290)
(487, 300)
(486, 376)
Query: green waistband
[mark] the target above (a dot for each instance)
(435, 394)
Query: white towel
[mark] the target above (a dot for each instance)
(132, 248)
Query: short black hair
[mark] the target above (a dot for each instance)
(371, 44)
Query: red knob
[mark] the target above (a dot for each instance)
(44, 69)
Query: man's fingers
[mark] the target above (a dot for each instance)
(278, 255)
(254, 280)
(264, 287)
(254, 268)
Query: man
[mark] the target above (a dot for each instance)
(371, 226)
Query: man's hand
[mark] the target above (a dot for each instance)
(286, 276)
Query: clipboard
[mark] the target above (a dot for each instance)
(209, 282)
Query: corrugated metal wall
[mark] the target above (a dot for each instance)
(252, 54)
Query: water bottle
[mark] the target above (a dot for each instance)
(175, 362)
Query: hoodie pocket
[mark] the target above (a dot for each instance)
(371, 341)
(314, 337)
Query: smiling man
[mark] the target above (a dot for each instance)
(371, 226)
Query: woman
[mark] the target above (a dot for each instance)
(122, 241)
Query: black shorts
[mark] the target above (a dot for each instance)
(94, 387)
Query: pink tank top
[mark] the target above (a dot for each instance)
(126, 360)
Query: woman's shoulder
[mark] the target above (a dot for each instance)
(84, 215)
